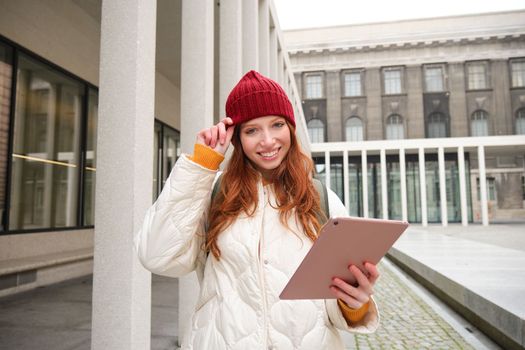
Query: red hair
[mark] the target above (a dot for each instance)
(292, 183)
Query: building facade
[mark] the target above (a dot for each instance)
(450, 77)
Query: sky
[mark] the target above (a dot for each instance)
(295, 14)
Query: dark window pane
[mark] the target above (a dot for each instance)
(6, 72)
(44, 187)
(91, 159)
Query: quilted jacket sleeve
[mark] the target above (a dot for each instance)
(170, 240)
(370, 321)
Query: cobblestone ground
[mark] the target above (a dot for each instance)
(407, 322)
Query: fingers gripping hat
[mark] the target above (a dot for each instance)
(257, 96)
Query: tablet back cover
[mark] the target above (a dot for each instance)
(342, 242)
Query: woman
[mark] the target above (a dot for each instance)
(247, 243)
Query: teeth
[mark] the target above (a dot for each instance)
(271, 154)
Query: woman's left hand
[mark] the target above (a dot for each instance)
(356, 296)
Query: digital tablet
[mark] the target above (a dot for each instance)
(342, 241)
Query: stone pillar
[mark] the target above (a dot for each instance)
(502, 122)
(250, 35)
(230, 51)
(264, 37)
(374, 119)
(121, 286)
(273, 53)
(415, 119)
(196, 90)
(333, 106)
(459, 121)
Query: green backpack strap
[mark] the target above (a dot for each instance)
(323, 196)
(216, 188)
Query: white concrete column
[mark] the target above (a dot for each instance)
(364, 181)
(384, 185)
(346, 187)
(264, 37)
(462, 186)
(423, 187)
(327, 169)
(196, 99)
(273, 53)
(121, 286)
(230, 51)
(280, 66)
(403, 179)
(442, 186)
(250, 35)
(483, 186)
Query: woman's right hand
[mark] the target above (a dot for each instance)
(218, 137)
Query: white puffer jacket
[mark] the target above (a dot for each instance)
(239, 305)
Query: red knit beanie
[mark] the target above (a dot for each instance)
(257, 96)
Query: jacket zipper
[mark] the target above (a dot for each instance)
(261, 275)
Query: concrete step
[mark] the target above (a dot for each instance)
(483, 282)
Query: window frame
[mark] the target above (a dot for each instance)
(513, 61)
(346, 127)
(323, 133)
(82, 147)
(402, 124)
(358, 71)
(487, 75)
(427, 67)
(401, 70)
(305, 85)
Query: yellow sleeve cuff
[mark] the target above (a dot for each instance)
(207, 157)
(353, 315)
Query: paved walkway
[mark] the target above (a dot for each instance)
(59, 318)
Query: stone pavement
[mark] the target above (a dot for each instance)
(59, 318)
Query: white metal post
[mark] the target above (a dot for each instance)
(327, 168)
(442, 186)
(364, 177)
(483, 186)
(384, 188)
(346, 187)
(423, 186)
(264, 37)
(403, 179)
(462, 186)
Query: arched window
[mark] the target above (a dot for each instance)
(354, 129)
(437, 125)
(520, 122)
(479, 123)
(316, 130)
(394, 127)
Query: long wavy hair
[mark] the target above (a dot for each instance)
(292, 184)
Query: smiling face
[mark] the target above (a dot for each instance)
(265, 141)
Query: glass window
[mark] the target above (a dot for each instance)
(479, 123)
(520, 122)
(314, 86)
(354, 129)
(44, 188)
(491, 188)
(392, 80)
(437, 125)
(6, 72)
(394, 127)
(166, 151)
(316, 130)
(90, 168)
(477, 76)
(518, 73)
(434, 79)
(353, 84)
